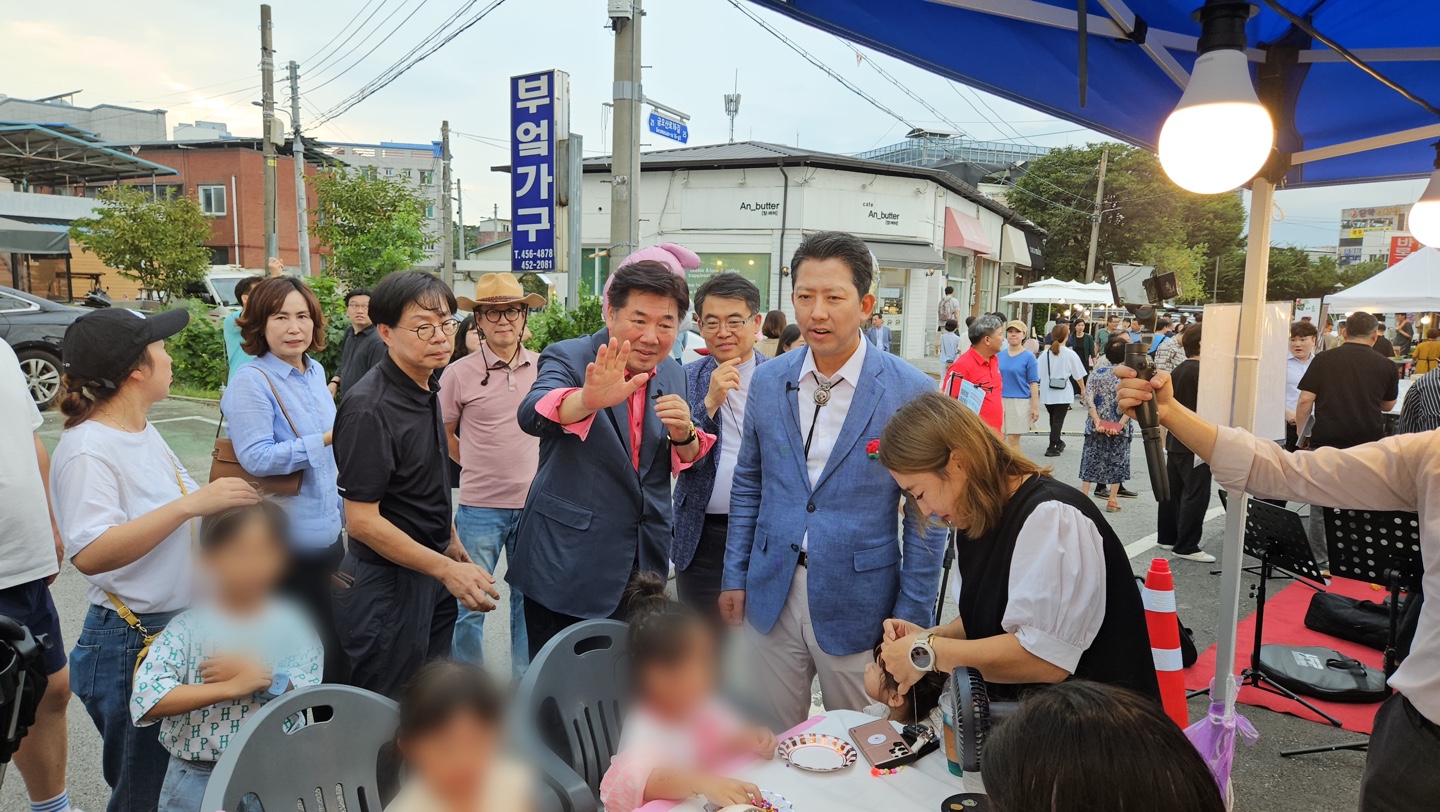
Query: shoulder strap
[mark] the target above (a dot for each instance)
(280, 401)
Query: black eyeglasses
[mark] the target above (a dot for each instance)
(509, 314)
(712, 326)
(425, 332)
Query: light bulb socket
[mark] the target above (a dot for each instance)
(1222, 25)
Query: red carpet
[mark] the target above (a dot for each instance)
(1285, 624)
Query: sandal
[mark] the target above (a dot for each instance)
(1112, 508)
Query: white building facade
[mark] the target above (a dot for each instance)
(746, 207)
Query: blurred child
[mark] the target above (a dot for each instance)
(920, 704)
(677, 732)
(217, 663)
(451, 717)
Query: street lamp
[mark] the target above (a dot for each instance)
(1219, 135)
(1425, 214)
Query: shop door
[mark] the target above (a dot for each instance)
(890, 301)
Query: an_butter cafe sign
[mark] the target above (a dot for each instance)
(760, 207)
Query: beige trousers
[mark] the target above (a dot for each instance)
(787, 660)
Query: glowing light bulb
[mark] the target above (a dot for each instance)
(1425, 214)
(1219, 135)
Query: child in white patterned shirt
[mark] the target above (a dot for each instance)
(215, 665)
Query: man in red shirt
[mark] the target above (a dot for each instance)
(980, 366)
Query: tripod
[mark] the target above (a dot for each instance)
(1377, 547)
(1275, 536)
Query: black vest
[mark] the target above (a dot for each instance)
(1120, 652)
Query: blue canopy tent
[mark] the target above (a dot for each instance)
(1351, 86)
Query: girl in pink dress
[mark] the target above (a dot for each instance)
(677, 733)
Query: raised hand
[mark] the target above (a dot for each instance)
(725, 378)
(605, 383)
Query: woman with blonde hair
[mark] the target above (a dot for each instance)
(1045, 590)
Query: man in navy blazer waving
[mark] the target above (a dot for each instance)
(727, 308)
(816, 557)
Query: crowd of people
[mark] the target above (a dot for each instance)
(804, 497)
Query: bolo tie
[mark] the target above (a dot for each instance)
(822, 397)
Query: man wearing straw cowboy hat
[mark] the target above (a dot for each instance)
(479, 395)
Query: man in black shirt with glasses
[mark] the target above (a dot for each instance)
(396, 591)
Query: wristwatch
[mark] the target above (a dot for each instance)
(922, 654)
(694, 435)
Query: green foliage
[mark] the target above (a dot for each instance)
(555, 323)
(332, 304)
(159, 243)
(1187, 263)
(372, 225)
(1293, 275)
(1142, 207)
(198, 352)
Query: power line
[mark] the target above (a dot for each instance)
(330, 56)
(311, 58)
(415, 56)
(896, 82)
(821, 65)
(372, 33)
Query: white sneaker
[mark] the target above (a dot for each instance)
(1201, 556)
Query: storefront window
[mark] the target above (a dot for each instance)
(755, 267)
(890, 302)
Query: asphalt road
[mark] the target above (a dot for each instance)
(1263, 780)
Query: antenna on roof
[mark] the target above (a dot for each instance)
(732, 105)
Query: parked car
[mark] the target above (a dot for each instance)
(35, 329)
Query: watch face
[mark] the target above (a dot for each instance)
(920, 657)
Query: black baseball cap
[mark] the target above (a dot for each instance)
(103, 346)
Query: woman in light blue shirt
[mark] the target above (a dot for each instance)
(280, 416)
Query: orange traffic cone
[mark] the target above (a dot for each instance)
(1164, 627)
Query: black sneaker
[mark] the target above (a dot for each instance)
(1125, 493)
(1102, 493)
(1052, 451)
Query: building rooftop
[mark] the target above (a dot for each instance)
(45, 156)
(313, 149)
(762, 154)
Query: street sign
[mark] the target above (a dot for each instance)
(538, 116)
(669, 127)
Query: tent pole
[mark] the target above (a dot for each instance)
(1242, 415)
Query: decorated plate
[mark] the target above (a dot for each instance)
(817, 752)
(770, 802)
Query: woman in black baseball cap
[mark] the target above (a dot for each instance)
(126, 510)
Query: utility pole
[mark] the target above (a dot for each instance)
(297, 155)
(625, 157)
(267, 96)
(447, 236)
(460, 216)
(1215, 293)
(1095, 218)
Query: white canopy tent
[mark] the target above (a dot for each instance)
(1410, 285)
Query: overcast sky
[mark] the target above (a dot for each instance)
(200, 60)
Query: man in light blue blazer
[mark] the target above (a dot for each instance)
(816, 556)
(877, 333)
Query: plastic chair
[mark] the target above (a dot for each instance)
(324, 766)
(569, 710)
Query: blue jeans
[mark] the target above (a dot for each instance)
(484, 531)
(185, 783)
(102, 667)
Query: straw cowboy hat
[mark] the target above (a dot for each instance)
(499, 289)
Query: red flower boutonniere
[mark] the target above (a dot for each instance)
(872, 449)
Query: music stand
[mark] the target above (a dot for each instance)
(1276, 536)
(1377, 547)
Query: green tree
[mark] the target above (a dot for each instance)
(556, 323)
(1141, 208)
(1187, 263)
(1292, 275)
(373, 225)
(157, 242)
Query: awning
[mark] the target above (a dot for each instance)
(1037, 251)
(905, 255)
(1016, 250)
(29, 238)
(42, 156)
(963, 232)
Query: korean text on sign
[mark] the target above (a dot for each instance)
(533, 124)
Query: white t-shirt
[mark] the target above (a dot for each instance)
(732, 429)
(1065, 365)
(101, 477)
(28, 553)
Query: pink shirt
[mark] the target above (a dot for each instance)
(497, 460)
(549, 408)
